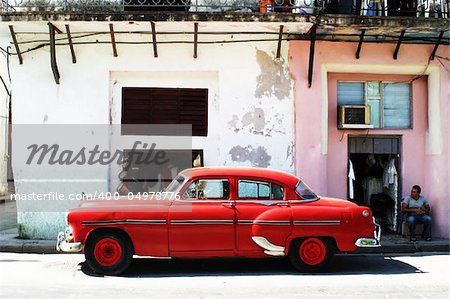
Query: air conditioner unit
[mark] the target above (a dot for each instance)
(354, 117)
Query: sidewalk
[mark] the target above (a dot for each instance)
(10, 242)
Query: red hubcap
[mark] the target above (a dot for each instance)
(312, 251)
(107, 252)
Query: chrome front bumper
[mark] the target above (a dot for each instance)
(62, 245)
(371, 242)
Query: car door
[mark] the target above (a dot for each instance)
(203, 219)
(261, 210)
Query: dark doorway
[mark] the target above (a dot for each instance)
(376, 167)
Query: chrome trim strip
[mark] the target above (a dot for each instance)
(245, 221)
(212, 221)
(303, 200)
(220, 200)
(270, 249)
(261, 202)
(317, 222)
(265, 222)
(272, 222)
(124, 221)
(377, 232)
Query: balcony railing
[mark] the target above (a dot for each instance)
(383, 8)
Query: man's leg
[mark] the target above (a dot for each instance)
(427, 222)
(411, 226)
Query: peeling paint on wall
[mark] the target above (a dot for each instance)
(257, 157)
(255, 118)
(274, 79)
(258, 123)
(290, 154)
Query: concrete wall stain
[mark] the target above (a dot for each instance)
(258, 157)
(257, 123)
(256, 118)
(274, 79)
(234, 123)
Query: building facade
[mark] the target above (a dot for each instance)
(417, 145)
(270, 86)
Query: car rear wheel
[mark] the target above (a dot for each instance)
(109, 252)
(310, 254)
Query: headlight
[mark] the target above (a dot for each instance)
(366, 213)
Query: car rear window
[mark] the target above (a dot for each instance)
(304, 191)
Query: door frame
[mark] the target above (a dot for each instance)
(398, 167)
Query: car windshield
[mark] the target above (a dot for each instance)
(176, 184)
(304, 191)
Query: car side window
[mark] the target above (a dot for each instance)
(208, 188)
(259, 190)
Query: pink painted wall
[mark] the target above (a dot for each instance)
(327, 174)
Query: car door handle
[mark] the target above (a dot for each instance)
(283, 204)
(228, 204)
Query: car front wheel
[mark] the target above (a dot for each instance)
(109, 252)
(310, 254)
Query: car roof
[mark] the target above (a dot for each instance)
(255, 172)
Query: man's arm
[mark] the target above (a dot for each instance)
(406, 209)
(426, 208)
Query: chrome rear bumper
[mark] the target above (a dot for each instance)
(371, 242)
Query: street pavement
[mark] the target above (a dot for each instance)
(348, 276)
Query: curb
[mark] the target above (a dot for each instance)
(17, 245)
(413, 247)
(29, 248)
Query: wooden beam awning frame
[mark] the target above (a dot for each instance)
(155, 47)
(69, 38)
(280, 39)
(399, 42)
(113, 39)
(433, 54)
(195, 39)
(53, 63)
(312, 44)
(361, 39)
(312, 36)
(16, 45)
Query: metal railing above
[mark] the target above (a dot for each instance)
(382, 8)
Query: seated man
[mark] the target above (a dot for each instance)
(417, 209)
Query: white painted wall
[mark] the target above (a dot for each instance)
(4, 116)
(250, 96)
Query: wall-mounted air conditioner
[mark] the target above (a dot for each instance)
(354, 117)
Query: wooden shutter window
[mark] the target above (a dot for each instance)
(141, 105)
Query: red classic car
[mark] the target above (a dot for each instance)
(219, 212)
